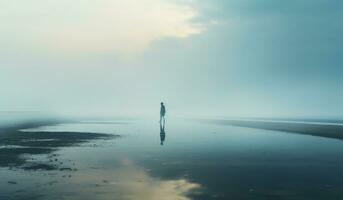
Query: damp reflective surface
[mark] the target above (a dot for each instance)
(187, 160)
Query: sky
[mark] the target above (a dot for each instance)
(208, 58)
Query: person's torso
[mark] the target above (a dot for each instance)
(163, 109)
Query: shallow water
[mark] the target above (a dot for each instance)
(196, 161)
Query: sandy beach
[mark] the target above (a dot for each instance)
(322, 128)
(171, 100)
(15, 143)
(125, 159)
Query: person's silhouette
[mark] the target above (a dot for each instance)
(162, 114)
(162, 134)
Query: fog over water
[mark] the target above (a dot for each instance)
(202, 58)
(251, 91)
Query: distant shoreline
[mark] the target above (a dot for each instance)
(321, 129)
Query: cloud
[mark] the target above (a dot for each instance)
(136, 183)
(129, 182)
(88, 26)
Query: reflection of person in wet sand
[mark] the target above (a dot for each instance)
(162, 114)
(162, 133)
(162, 123)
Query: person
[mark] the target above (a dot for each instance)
(162, 113)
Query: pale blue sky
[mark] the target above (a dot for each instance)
(202, 57)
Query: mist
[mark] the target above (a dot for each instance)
(202, 58)
(171, 99)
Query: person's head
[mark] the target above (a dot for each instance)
(161, 103)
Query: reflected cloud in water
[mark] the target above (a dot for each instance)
(129, 182)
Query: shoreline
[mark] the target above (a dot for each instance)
(15, 143)
(320, 129)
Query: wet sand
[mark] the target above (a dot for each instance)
(329, 129)
(106, 160)
(15, 144)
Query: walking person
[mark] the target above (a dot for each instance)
(162, 114)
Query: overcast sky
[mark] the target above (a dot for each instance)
(202, 57)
